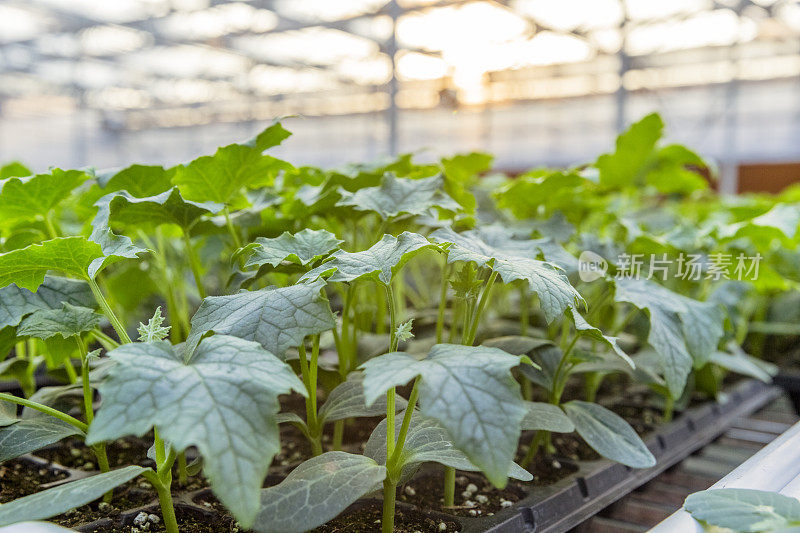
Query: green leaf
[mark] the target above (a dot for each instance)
(139, 180)
(27, 267)
(461, 173)
(14, 169)
(634, 151)
(67, 322)
(744, 509)
(224, 176)
(8, 411)
(463, 388)
(114, 247)
(223, 400)
(585, 329)
(512, 263)
(302, 248)
(16, 302)
(33, 197)
(516, 344)
(317, 491)
(153, 330)
(399, 195)
(683, 331)
(780, 222)
(276, 318)
(546, 417)
(527, 194)
(672, 172)
(608, 434)
(32, 434)
(168, 207)
(380, 262)
(52, 502)
(426, 442)
(736, 360)
(347, 401)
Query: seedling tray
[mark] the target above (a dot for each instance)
(551, 509)
(597, 484)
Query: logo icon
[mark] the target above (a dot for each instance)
(591, 266)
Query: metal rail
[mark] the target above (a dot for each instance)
(776, 467)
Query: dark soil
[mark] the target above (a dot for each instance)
(190, 520)
(572, 446)
(129, 496)
(72, 453)
(367, 519)
(643, 419)
(547, 469)
(20, 478)
(427, 493)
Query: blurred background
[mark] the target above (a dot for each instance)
(536, 82)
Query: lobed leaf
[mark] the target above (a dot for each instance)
(302, 248)
(469, 390)
(276, 318)
(222, 177)
(380, 262)
(683, 331)
(224, 400)
(168, 207)
(139, 180)
(67, 322)
(16, 302)
(395, 196)
(33, 197)
(514, 261)
(27, 267)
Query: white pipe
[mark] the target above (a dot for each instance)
(776, 468)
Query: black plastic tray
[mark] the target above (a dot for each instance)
(597, 484)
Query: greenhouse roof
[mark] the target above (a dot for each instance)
(141, 61)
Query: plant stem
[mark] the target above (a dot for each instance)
(449, 486)
(107, 342)
(46, 410)
(390, 416)
(118, 327)
(392, 318)
(338, 435)
(401, 436)
(669, 408)
(237, 240)
(71, 375)
(311, 400)
(51, 229)
(446, 270)
(524, 310)
(558, 379)
(194, 263)
(473, 332)
(534, 446)
(389, 495)
(183, 474)
(164, 499)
